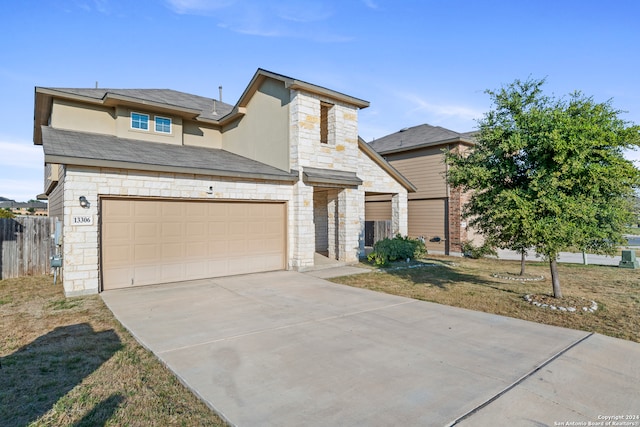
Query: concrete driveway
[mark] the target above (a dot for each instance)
(290, 349)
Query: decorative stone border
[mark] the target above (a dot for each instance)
(591, 309)
(406, 267)
(518, 278)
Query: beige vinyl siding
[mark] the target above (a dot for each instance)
(159, 241)
(425, 169)
(427, 219)
(55, 202)
(377, 211)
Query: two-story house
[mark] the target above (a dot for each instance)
(156, 186)
(435, 209)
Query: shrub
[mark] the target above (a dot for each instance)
(399, 248)
(472, 251)
(6, 213)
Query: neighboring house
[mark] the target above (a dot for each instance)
(34, 208)
(156, 186)
(435, 208)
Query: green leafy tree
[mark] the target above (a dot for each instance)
(548, 173)
(6, 213)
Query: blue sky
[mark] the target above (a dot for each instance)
(415, 61)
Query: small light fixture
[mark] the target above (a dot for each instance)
(84, 202)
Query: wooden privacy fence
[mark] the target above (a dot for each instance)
(376, 230)
(25, 246)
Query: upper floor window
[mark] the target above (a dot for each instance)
(139, 121)
(324, 123)
(163, 124)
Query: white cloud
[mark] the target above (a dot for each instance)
(303, 12)
(196, 7)
(21, 155)
(21, 190)
(370, 4)
(442, 111)
(101, 6)
(291, 19)
(21, 170)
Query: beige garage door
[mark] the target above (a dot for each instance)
(151, 241)
(427, 219)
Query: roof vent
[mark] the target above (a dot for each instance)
(404, 129)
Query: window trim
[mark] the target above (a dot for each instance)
(141, 115)
(155, 125)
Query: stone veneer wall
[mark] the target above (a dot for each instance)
(80, 242)
(457, 233)
(340, 153)
(345, 206)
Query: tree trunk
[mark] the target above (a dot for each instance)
(555, 278)
(522, 262)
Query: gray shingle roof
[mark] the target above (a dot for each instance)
(168, 97)
(330, 176)
(81, 148)
(418, 136)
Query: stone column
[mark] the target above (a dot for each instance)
(399, 214)
(332, 224)
(349, 225)
(303, 238)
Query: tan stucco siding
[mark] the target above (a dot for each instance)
(75, 116)
(201, 136)
(425, 169)
(263, 133)
(124, 129)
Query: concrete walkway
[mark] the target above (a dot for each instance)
(290, 349)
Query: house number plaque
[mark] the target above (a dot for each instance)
(82, 220)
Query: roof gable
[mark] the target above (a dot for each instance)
(295, 84)
(418, 137)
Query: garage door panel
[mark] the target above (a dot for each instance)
(120, 277)
(144, 275)
(172, 251)
(173, 272)
(195, 250)
(146, 231)
(147, 210)
(120, 255)
(117, 231)
(150, 241)
(145, 253)
(172, 230)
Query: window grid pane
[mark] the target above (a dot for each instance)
(139, 121)
(163, 125)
